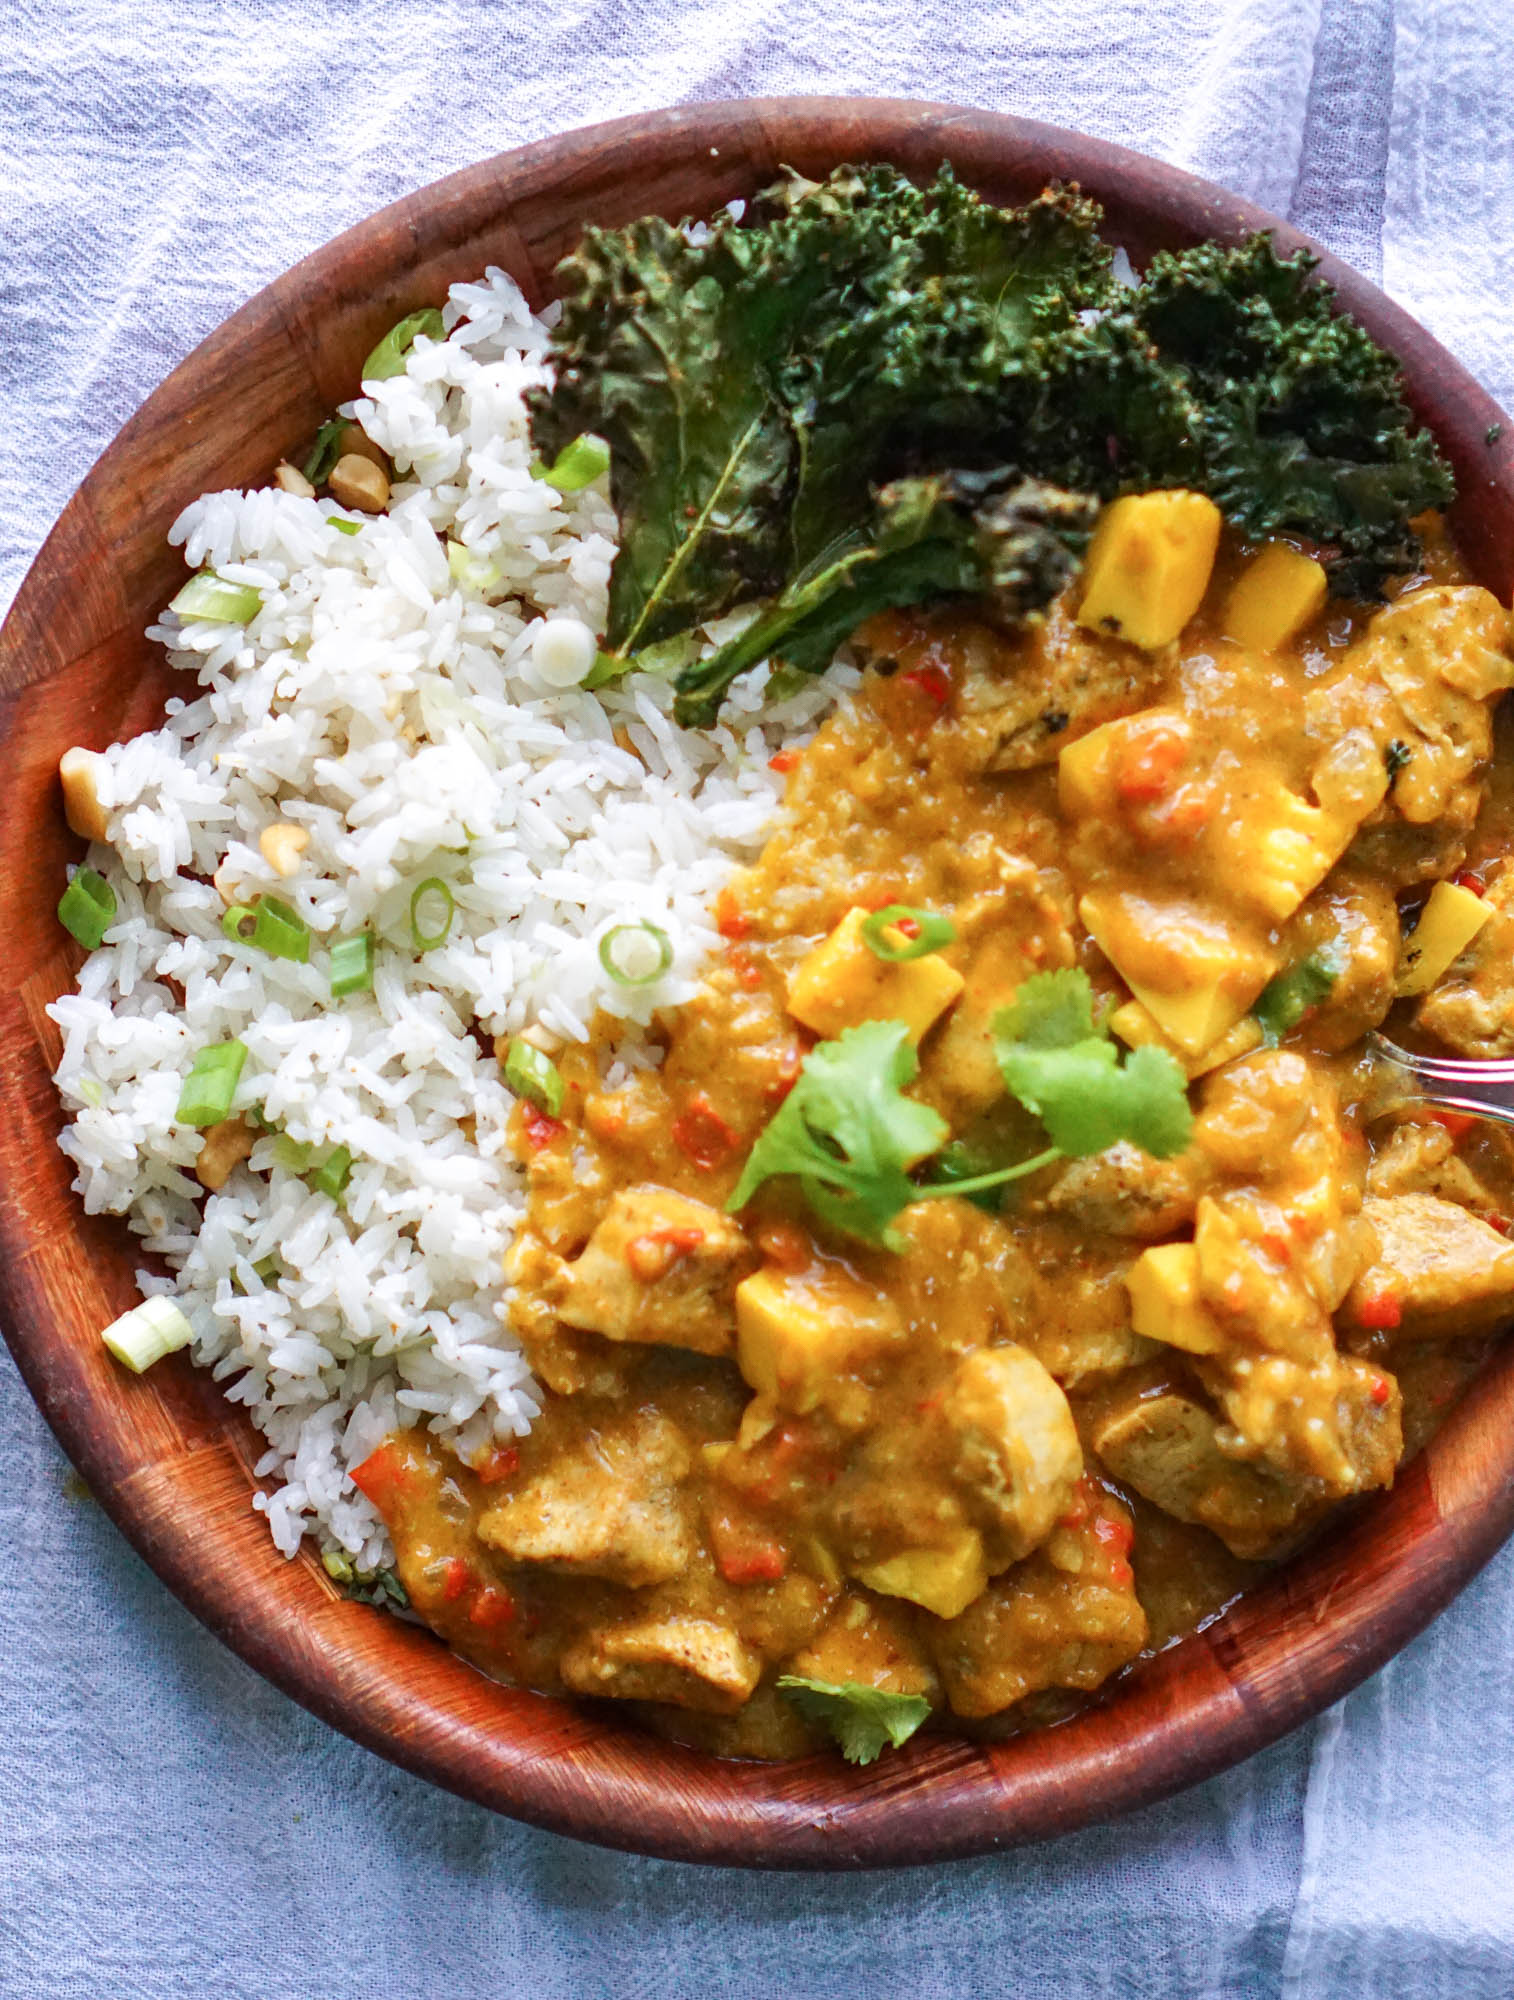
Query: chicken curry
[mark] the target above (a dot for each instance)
(985, 1453)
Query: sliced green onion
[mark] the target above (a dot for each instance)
(206, 1094)
(428, 936)
(145, 1334)
(271, 926)
(668, 656)
(326, 450)
(352, 965)
(332, 1175)
(469, 568)
(210, 598)
(534, 1076)
(635, 954)
(87, 908)
(293, 1155)
(928, 932)
(269, 1269)
(343, 525)
(388, 358)
(337, 1565)
(577, 465)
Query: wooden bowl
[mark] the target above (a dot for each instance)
(170, 1460)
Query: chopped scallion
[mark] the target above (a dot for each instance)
(293, 1155)
(431, 911)
(206, 1094)
(635, 954)
(332, 1175)
(388, 358)
(534, 1076)
(326, 450)
(667, 656)
(337, 1565)
(352, 965)
(271, 926)
(269, 1269)
(146, 1333)
(577, 465)
(470, 569)
(87, 908)
(343, 526)
(916, 932)
(211, 599)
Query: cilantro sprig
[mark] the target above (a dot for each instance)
(863, 1720)
(1063, 1065)
(852, 1138)
(849, 1134)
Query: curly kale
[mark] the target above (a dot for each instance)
(867, 393)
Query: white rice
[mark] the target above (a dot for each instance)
(396, 715)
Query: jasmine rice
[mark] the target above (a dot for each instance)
(407, 698)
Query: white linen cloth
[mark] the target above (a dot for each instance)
(169, 1825)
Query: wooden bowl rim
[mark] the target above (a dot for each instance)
(1286, 1652)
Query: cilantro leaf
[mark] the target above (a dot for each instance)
(863, 1720)
(849, 1134)
(1067, 1070)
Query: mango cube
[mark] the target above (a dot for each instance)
(1164, 1300)
(944, 1580)
(798, 1336)
(1139, 1029)
(1148, 566)
(1274, 598)
(843, 981)
(1450, 920)
(1212, 976)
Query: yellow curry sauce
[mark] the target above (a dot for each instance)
(994, 1468)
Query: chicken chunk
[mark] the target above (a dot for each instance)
(691, 1662)
(1125, 1192)
(1422, 679)
(1422, 1158)
(659, 1268)
(1066, 1618)
(1354, 924)
(932, 1507)
(1166, 1448)
(1439, 1272)
(605, 1504)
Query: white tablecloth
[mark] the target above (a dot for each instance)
(169, 1825)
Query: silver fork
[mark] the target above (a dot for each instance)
(1481, 1089)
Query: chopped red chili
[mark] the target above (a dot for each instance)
(702, 1135)
(540, 1129)
(500, 1464)
(1471, 878)
(933, 681)
(491, 1609)
(1381, 1313)
(1381, 1391)
(382, 1476)
(456, 1577)
(784, 762)
(729, 919)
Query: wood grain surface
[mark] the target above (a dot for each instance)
(171, 1460)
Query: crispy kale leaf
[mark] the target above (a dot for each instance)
(864, 1720)
(1014, 542)
(1063, 1066)
(796, 403)
(756, 386)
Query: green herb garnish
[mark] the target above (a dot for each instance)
(577, 465)
(432, 908)
(534, 1076)
(332, 1175)
(271, 926)
(636, 954)
(210, 599)
(326, 450)
(1067, 1069)
(373, 1586)
(388, 358)
(351, 967)
(863, 1720)
(206, 1093)
(920, 932)
(1284, 1001)
(87, 908)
